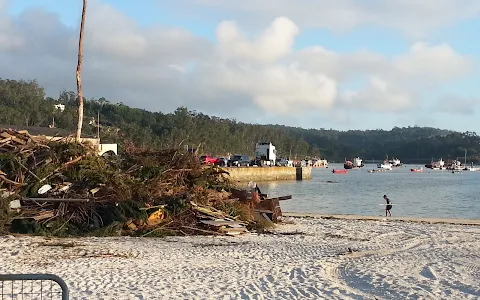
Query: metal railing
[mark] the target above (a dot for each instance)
(32, 286)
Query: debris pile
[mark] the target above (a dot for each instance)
(63, 189)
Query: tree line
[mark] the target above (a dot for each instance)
(23, 103)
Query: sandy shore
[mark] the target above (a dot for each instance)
(388, 260)
(382, 218)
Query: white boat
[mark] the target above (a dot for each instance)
(395, 162)
(355, 164)
(471, 167)
(438, 165)
(386, 165)
(455, 166)
(358, 162)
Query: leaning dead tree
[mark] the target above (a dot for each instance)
(79, 75)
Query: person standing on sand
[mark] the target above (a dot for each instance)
(388, 207)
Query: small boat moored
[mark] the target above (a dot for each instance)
(386, 165)
(355, 164)
(339, 171)
(471, 168)
(417, 170)
(438, 165)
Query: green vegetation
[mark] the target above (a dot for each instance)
(24, 103)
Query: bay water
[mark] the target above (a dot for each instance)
(433, 193)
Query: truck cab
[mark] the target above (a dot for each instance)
(265, 154)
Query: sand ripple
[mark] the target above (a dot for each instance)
(387, 260)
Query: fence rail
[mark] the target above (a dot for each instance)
(32, 286)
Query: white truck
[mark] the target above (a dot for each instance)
(265, 154)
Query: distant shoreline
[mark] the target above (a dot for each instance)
(451, 221)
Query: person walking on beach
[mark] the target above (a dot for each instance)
(388, 207)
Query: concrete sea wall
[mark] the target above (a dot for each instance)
(245, 174)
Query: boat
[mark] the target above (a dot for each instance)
(471, 168)
(417, 170)
(437, 165)
(455, 165)
(355, 164)
(386, 165)
(340, 171)
(376, 171)
(395, 162)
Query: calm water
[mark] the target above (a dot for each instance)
(427, 194)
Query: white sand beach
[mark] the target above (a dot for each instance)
(388, 260)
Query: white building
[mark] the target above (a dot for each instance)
(57, 134)
(60, 107)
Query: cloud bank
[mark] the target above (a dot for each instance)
(239, 74)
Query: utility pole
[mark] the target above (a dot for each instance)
(79, 75)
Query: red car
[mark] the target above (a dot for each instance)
(208, 160)
(221, 161)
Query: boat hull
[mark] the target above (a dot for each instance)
(340, 171)
(384, 166)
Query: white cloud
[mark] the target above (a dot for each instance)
(115, 36)
(439, 62)
(278, 89)
(412, 17)
(276, 42)
(379, 96)
(241, 75)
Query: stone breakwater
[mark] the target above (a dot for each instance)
(245, 174)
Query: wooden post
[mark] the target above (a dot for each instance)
(79, 75)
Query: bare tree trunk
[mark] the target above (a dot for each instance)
(79, 75)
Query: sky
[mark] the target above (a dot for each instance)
(342, 64)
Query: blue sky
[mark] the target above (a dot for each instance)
(343, 65)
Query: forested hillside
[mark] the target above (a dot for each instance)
(23, 103)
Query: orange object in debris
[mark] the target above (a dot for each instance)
(255, 198)
(156, 217)
(130, 225)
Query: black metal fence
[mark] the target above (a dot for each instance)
(32, 286)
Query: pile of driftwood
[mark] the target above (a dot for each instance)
(63, 188)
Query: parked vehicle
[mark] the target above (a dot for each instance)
(265, 154)
(208, 160)
(221, 161)
(239, 160)
(284, 162)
